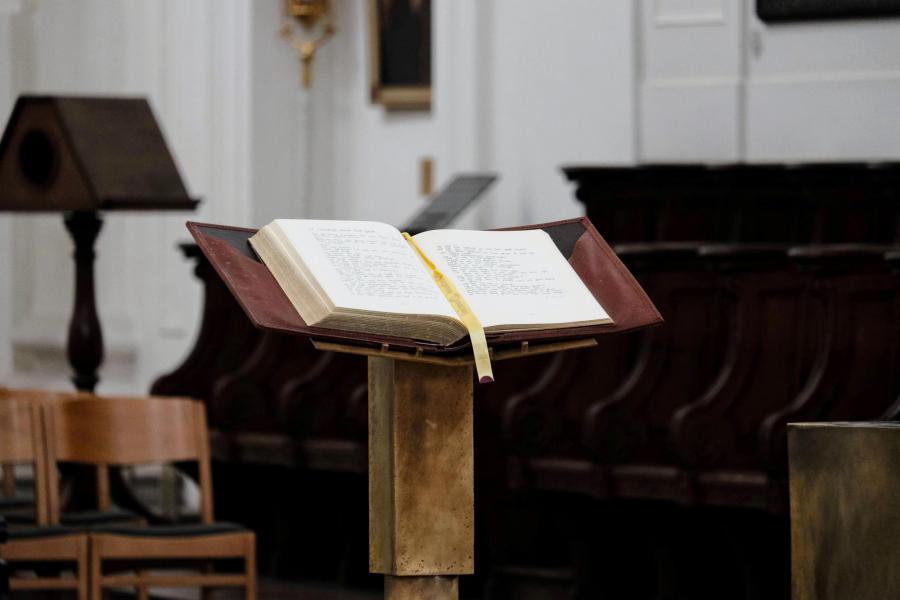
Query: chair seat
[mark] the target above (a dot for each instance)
(178, 530)
(30, 532)
(90, 518)
(82, 519)
(25, 516)
(18, 509)
(15, 502)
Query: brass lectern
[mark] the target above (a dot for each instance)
(421, 500)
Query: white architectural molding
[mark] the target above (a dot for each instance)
(691, 120)
(689, 13)
(848, 78)
(824, 118)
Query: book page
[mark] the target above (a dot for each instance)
(512, 278)
(364, 265)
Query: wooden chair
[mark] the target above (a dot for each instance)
(133, 431)
(22, 440)
(19, 509)
(8, 491)
(11, 501)
(9, 497)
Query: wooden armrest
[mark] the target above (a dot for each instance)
(744, 251)
(837, 258)
(839, 251)
(658, 249)
(892, 256)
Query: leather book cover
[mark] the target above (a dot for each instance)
(228, 250)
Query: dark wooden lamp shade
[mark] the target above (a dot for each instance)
(86, 154)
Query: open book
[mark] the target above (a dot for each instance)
(366, 277)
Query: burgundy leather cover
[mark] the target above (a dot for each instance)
(254, 287)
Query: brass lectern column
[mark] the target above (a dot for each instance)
(421, 481)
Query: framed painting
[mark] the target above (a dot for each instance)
(400, 54)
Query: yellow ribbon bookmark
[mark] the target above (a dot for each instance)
(465, 314)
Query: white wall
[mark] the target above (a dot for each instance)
(690, 76)
(520, 87)
(823, 91)
(562, 93)
(190, 60)
(719, 85)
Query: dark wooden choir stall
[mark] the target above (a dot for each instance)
(651, 466)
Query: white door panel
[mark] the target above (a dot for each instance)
(690, 121)
(690, 78)
(824, 119)
(823, 91)
(717, 84)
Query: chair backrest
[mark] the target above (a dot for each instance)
(7, 469)
(126, 430)
(22, 441)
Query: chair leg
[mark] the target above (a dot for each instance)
(83, 571)
(250, 566)
(95, 576)
(142, 592)
(206, 593)
(9, 480)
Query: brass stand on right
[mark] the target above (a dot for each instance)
(845, 527)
